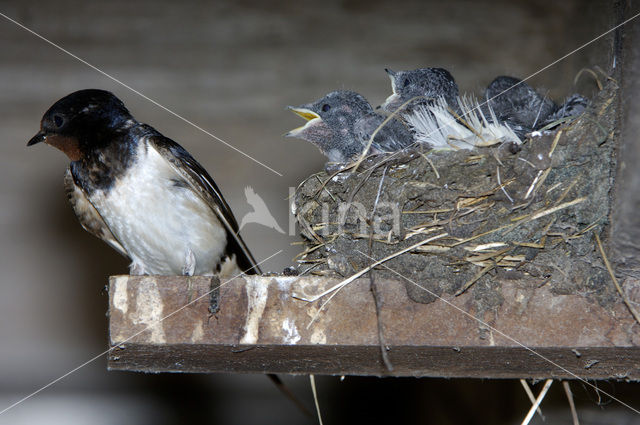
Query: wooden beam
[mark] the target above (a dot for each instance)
(262, 327)
(625, 220)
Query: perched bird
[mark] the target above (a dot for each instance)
(517, 104)
(428, 83)
(141, 192)
(341, 123)
(144, 194)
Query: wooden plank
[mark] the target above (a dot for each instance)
(262, 327)
(625, 228)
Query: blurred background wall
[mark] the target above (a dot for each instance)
(230, 67)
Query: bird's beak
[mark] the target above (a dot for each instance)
(68, 145)
(311, 117)
(393, 101)
(305, 113)
(40, 137)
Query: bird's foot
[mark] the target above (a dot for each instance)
(189, 267)
(137, 269)
(214, 295)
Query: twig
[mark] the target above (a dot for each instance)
(557, 122)
(309, 269)
(488, 232)
(615, 280)
(554, 144)
(435, 170)
(322, 306)
(501, 186)
(335, 173)
(312, 379)
(325, 188)
(375, 207)
(605, 75)
(435, 211)
(285, 390)
(533, 184)
(523, 219)
(373, 286)
(566, 191)
(302, 183)
(532, 398)
(528, 162)
(308, 251)
(593, 74)
(485, 246)
(543, 213)
(391, 116)
(375, 203)
(362, 182)
(369, 267)
(475, 279)
(574, 413)
(539, 110)
(535, 406)
(305, 224)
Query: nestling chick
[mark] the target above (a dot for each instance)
(427, 83)
(341, 123)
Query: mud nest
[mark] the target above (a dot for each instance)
(510, 211)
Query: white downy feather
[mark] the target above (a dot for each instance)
(437, 126)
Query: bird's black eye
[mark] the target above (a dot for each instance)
(326, 107)
(405, 83)
(58, 120)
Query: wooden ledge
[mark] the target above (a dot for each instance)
(262, 328)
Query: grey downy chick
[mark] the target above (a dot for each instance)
(517, 104)
(573, 106)
(429, 83)
(332, 122)
(391, 137)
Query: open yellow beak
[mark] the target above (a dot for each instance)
(307, 114)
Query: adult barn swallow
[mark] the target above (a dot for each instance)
(144, 194)
(141, 192)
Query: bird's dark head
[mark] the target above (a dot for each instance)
(341, 103)
(330, 122)
(315, 130)
(82, 121)
(337, 111)
(427, 83)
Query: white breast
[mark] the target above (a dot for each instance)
(159, 220)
